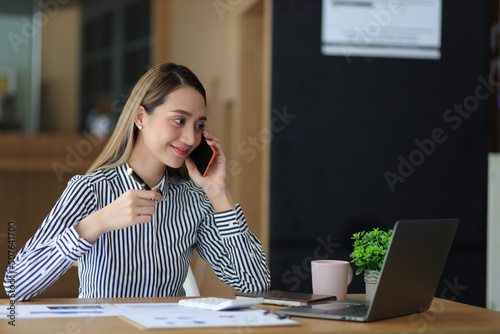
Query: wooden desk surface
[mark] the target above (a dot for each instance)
(443, 317)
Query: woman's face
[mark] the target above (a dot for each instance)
(174, 129)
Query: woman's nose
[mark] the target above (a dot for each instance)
(188, 137)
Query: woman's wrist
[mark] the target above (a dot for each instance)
(89, 228)
(221, 200)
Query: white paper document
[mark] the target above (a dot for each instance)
(66, 310)
(157, 315)
(174, 316)
(145, 307)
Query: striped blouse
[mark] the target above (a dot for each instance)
(145, 260)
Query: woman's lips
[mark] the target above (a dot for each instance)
(180, 151)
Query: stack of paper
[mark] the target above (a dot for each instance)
(158, 315)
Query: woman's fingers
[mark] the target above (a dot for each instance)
(148, 194)
(131, 208)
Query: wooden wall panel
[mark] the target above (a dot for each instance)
(228, 47)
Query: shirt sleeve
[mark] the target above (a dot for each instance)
(233, 252)
(54, 247)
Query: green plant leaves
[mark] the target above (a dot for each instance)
(369, 249)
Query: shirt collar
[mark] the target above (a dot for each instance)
(162, 185)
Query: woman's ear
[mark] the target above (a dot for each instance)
(139, 116)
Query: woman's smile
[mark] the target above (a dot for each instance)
(181, 151)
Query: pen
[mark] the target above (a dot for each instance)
(138, 179)
(279, 316)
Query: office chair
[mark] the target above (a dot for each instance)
(190, 285)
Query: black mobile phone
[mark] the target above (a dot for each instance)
(203, 156)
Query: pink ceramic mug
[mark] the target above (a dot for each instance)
(331, 277)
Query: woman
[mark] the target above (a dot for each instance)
(131, 242)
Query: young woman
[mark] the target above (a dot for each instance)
(131, 242)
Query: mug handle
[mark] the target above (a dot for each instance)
(349, 276)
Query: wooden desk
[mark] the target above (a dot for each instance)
(443, 317)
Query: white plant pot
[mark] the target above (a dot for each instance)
(371, 279)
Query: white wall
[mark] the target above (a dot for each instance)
(493, 252)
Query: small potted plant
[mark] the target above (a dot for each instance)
(368, 255)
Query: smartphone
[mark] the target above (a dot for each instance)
(203, 156)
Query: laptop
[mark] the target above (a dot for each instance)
(408, 279)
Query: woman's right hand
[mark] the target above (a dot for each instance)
(131, 208)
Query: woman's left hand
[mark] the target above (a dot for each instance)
(214, 183)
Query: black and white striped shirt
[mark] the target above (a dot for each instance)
(145, 260)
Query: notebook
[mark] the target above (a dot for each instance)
(408, 279)
(285, 298)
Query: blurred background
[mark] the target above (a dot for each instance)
(321, 131)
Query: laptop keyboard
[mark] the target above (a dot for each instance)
(355, 311)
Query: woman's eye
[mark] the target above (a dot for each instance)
(200, 126)
(179, 121)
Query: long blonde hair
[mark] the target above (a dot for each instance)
(150, 91)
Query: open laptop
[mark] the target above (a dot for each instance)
(408, 279)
